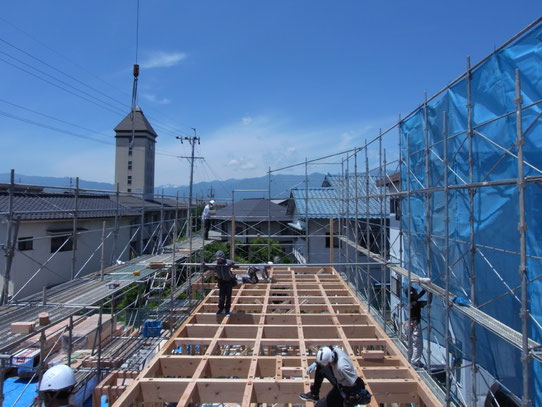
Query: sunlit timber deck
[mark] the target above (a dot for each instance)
(259, 354)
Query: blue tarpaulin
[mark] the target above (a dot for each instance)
(496, 207)
(13, 386)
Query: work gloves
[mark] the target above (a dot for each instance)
(312, 368)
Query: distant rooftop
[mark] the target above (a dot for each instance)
(254, 210)
(38, 206)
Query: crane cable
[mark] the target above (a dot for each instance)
(136, 75)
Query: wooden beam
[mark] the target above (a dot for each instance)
(259, 354)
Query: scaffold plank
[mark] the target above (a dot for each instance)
(475, 314)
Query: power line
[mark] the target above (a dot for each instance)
(66, 132)
(46, 126)
(62, 72)
(164, 127)
(60, 87)
(124, 105)
(54, 118)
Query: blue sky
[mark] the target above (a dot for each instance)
(266, 83)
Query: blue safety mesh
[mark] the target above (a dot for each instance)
(496, 207)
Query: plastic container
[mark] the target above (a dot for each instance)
(152, 328)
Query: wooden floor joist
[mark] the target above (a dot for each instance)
(259, 354)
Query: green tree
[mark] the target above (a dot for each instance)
(258, 250)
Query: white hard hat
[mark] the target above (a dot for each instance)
(270, 263)
(212, 201)
(324, 356)
(57, 378)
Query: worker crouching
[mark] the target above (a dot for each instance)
(348, 390)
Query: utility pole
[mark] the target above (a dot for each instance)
(192, 141)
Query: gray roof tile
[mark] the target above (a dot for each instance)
(34, 206)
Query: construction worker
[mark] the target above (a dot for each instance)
(226, 280)
(252, 274)
(348, 390)
(56, 386)
(415, 338)
(206, 218)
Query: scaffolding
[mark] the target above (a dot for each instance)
(439, 201)
(132, 270)
(444, 200)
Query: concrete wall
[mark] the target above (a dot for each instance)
(59, 268)
(142, 171)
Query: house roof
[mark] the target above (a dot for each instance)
(135, 202)
(254, 210)
(141, 124)
(331, 198)
(38, 206)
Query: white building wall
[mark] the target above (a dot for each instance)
(58, 269)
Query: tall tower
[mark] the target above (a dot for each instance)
(134, 165)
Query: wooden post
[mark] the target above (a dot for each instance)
(331, 241)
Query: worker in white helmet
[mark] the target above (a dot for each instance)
(206, 218)
(56, 386)
(334, 364)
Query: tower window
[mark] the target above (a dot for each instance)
(129, 190)
(129, 165)
(129, 180)
(130, 151)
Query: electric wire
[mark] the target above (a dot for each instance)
(66, 132)
(117, 112)
(168, 128)
(60, 71)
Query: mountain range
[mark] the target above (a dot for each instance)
(221, 190)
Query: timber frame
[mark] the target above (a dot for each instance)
(259, 354)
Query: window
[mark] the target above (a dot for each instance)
(58, 241)
(396, 286)
(129, 180)
(130, 165)
(395, 207)
(25, 243)
(129, 151)
(336, 242)
(129, 189)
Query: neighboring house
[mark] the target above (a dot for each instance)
(44, 249)
(45, 252)
(253, 218)
(158, 220)
(392, 183)
(341, 203)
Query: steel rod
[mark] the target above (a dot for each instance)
(447, 337)
(522, 227)
(428, 197)
(472, 248)
(74, 229)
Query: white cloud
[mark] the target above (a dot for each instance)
(155, 99)
(245, 149)
(161, 59)
(246, 120)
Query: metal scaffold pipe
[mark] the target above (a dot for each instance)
(522, 228)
